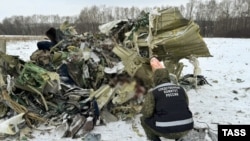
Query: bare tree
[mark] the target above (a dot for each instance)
(190, 7)
(227, 18)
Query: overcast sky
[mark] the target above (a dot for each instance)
(9, 8)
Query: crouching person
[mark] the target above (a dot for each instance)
(165, 110)
(46, 45)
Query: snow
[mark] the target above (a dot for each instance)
(225, 102)
(21, 48)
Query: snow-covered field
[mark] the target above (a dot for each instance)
(225, 102)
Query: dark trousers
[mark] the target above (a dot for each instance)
(45, 45)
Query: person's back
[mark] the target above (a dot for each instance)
(165, 110)
(46, 45)
(51, 34)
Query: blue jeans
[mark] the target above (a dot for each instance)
(45, 45)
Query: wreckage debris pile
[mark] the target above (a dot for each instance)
(89, 78)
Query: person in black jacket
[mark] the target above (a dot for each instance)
(165, 109)
(46, 45)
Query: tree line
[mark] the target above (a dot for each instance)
(227, 18)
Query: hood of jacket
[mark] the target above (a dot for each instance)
(161, 76)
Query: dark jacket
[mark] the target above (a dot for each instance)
(166, 106)
(54, 35)
(51, 34)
